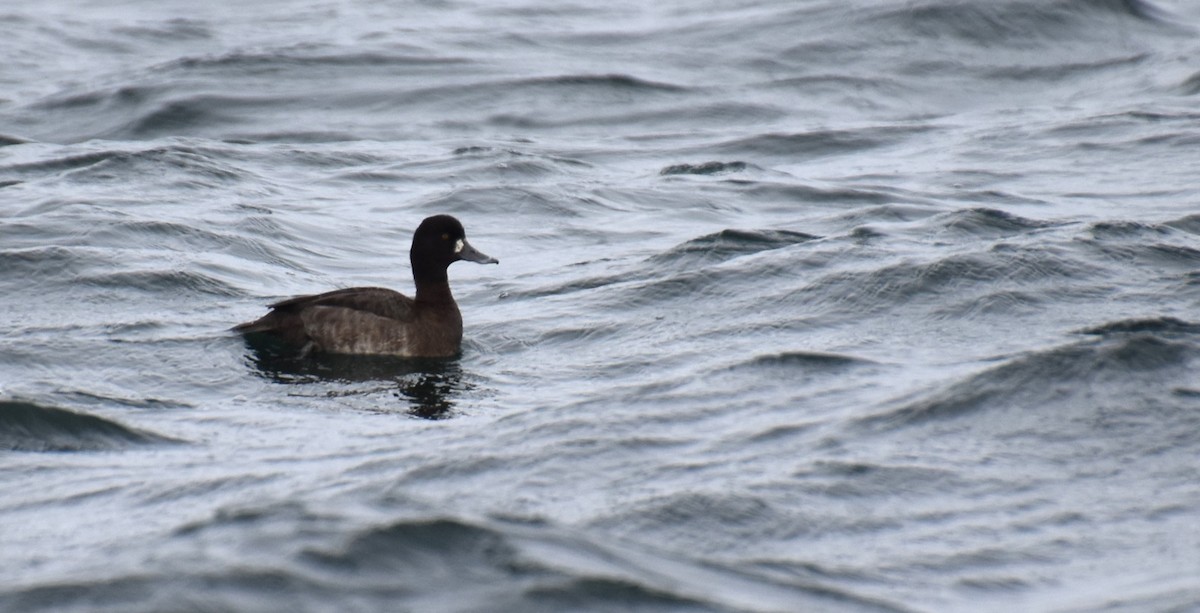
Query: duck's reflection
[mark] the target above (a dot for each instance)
(428, 386)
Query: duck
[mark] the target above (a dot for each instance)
(377, 320)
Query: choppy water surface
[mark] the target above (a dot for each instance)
(867, 306)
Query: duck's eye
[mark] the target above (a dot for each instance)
(445, 237)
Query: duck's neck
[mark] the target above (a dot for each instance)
(433, 286)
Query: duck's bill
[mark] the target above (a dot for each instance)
(471, 254)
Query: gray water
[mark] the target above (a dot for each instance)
(802, 305)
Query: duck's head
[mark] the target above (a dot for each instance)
(441, 241)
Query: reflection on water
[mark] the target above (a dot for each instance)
(428, 386)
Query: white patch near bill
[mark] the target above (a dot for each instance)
(458, 246)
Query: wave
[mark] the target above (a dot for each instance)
(728, 244)
(480, 163)
(1002, 272)
(945, 56)
(737, 517)
(199, 94)
(1009, 21)
(172, 30)
(61, 263)
(26, 426)
(159, 107)
(1187, 223)
(1153, 245)
(307, 55)
(186, 166)
(683, 270)
(418, 558)
(706, 168)
(1156, 325)
(508, 564)
(838, 479)
(988, 223)
(613, 81)
(684, 115)
(848, 294)
(1141, 231)
(1061, 71)
(381, 87)
(885, 197)
(807, 360)
(818, 142)
(532, 201)
(173, 281)
(69, 268)
(1132, 368)
(9, 139)
(190, 114)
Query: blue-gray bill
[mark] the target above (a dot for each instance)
(471, 254)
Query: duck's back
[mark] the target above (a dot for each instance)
(363, 320)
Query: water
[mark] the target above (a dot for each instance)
(870, 306)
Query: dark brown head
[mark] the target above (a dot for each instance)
(439, 242)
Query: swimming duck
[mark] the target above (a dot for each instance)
(380, 321)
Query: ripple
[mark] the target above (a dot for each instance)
(25, 426)
(1160, 325)
(728, 244)
(805, 360)
(819, 142)
(988, 223)
(707, 168)
(1035, 381)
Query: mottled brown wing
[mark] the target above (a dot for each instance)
(337, 329)
(378, 301)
